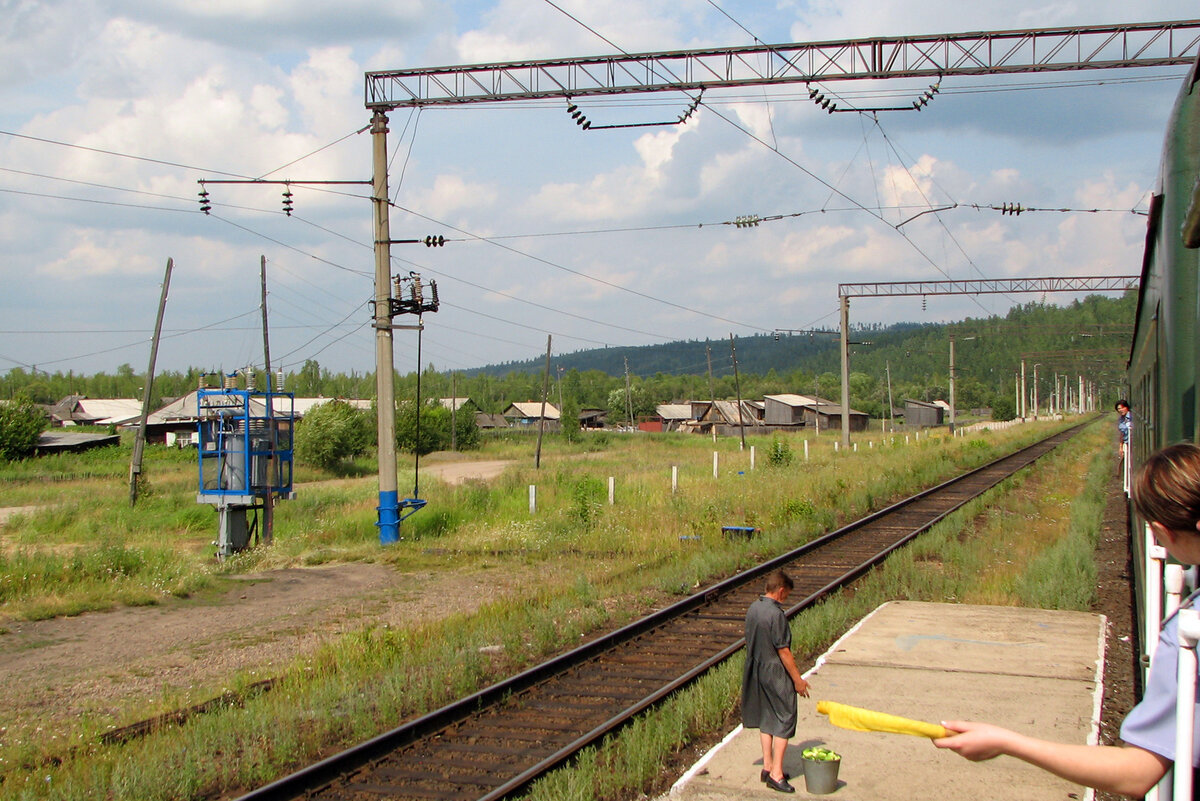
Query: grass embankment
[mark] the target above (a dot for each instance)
(367, 682)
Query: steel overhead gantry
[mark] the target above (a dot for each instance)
(1148, 44)
(988, 53)
(984, 286)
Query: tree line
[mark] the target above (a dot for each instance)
(1089, 337)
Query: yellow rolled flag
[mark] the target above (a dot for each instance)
(852, 717)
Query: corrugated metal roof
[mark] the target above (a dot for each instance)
(674, 411)
(532, 409)
(110, 411)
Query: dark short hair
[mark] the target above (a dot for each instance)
(777, 579)
(1167, 487)
(1120, 403)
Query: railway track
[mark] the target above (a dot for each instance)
(494, 743)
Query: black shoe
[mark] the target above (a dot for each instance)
(763, 775)
(782, 787)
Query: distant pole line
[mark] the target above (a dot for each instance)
(884, 289)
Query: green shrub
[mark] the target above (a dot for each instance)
(587, 498)
(332, 433)
(21, 423)
(780, 453)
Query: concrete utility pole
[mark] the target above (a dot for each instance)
(1024, 395)
(845, 304)
(1035, 390)
(385, 390)
(951, 383)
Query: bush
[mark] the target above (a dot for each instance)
(21, 423)
(435, 429)
(1003, 409)
(332, 433)
(780, 453)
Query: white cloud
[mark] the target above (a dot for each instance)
(248, 87)
(451, 194)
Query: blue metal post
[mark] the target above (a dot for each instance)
(389, 517)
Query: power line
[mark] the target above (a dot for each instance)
(119, 154)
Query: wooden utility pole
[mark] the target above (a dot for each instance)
(537, 459)
(139, 440)
(268, 532)
(712, 395)
(737, 386)
(454, 412)
(891, 404)
(628, 395)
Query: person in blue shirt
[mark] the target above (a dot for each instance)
(1124, 423)
(1166, 492)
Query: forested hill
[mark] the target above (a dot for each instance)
(1089, 337)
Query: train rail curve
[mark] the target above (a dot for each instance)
(492, 744)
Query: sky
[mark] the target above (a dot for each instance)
(111, 111)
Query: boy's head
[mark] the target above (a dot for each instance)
(1122, 406)
(778, 580)
(1166, 491)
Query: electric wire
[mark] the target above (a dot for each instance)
(93, 201)
(315, 152)
(412, 143)
(144, 340)
(118, 154)
(579, 273)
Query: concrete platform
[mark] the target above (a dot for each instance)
(1036, 671)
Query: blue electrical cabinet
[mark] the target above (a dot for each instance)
(245, 456)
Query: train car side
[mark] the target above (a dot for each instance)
(1165, 358)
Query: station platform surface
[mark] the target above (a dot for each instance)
(1035, 671)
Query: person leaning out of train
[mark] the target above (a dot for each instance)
(1124, 424)
(1166, 491)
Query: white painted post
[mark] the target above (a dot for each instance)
(715, 459)
(871, 444)
(806, 450)
(751, 457)
(835, 446)
(856, 447)
(1173, 589)
(612, 490)
(532, 498)
(1185, 703)
(906, 439)
(1156, 555)
(674, 478)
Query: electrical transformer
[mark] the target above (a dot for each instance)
(245, 453)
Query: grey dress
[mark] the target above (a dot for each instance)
(768, 694)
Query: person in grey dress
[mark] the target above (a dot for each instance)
(771, 680)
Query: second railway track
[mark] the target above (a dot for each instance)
(496, 742)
